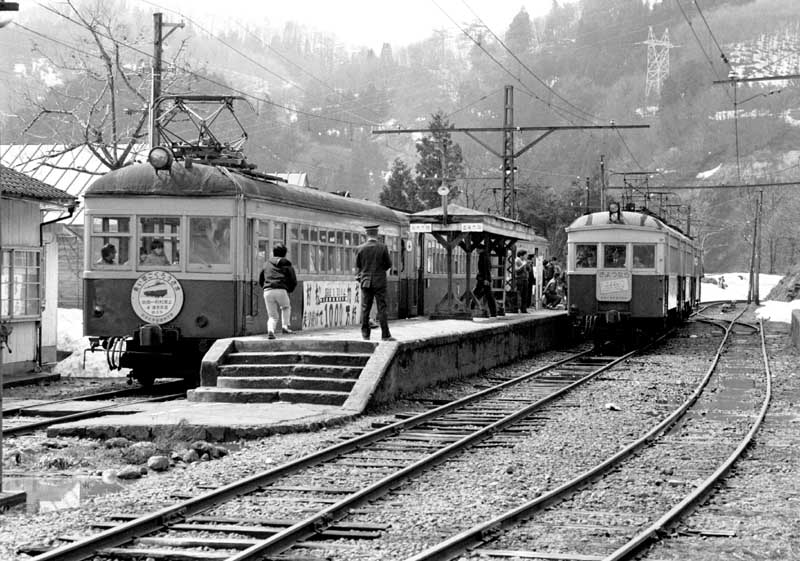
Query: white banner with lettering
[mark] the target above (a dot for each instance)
(331, 304)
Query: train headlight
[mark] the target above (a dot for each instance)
(160, 158)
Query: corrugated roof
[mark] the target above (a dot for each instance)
(18, 185)
(69, 169)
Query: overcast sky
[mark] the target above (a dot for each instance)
(360, 22)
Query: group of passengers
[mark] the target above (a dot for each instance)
(553, 279)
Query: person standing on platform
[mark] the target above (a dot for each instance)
(372, 262)
(278, 280)
(531, 265)
(521, 279)
(484, 280)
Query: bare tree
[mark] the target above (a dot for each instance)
(103, 101)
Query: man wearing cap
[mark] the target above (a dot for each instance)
(372, 262)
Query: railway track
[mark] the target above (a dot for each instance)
(14, 425)
(310, 498)
(636, 495)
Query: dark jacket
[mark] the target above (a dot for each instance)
(372, 262)
(278, 273)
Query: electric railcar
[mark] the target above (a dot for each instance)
(629, 273)
(190, 242)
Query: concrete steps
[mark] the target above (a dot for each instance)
(289, 369)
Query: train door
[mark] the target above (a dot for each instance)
(257, 249)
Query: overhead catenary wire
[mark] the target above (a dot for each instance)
(190, 72)
(500, 64)
(591, 117)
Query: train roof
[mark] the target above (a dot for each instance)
(638, 220)
(199, 180)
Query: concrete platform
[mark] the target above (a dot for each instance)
(425, 353)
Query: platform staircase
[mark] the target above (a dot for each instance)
(289, 369)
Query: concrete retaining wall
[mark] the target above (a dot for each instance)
(412, 365)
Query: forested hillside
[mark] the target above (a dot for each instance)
(314, 105)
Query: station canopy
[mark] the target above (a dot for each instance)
(462, 219)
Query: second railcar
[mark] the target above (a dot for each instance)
(629, 272)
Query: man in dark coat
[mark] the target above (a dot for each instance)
(372, 262)
(483, 287)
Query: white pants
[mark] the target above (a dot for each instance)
(276, 299)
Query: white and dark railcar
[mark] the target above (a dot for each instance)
(629, 273)
(158, 315)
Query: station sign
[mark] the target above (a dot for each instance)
(421, 228)
(472, 227)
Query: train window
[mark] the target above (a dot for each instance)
(314, 234)
(614, 256)
(306, 263)
(279, 233)
(110, 241)
(585, 256)
(209, 243)
(159, 241)
(644, 256)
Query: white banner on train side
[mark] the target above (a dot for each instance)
(331, 304)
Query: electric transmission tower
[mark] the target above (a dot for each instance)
(657, 63)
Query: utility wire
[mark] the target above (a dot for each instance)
(207, 79)
(700, 44)
(592, 118)
(254, 61)
(721, 52)
(498, 63)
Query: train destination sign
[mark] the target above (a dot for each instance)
(613, 286)
(157, 297)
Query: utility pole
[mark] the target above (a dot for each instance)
(602, 183)
(508, 155)
(734, 81)
(509, 194)
(158, 50)
(588, 192)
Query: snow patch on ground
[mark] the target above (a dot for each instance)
(70, 339)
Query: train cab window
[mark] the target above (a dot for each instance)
(159, 241)
(585, 256)
(644, 256)
(209, 243)
(614, 256)
(110, 241)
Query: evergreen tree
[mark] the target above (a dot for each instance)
(429, 167)
(400, 188)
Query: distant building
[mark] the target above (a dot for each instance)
(57, 165)
(28, 279)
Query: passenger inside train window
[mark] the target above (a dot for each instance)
(586, 256)
(209, 243)
(614, 256)
(156, 255)
(644, 256)
(108, 255)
